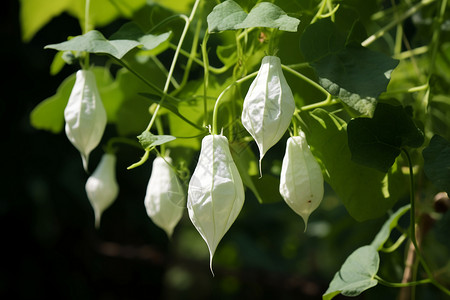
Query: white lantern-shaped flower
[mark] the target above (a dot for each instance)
(216, 193)
(165, 199)
(101, 187)
(268, 106)
(85, 115)
(301, 179)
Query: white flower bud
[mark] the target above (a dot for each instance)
(268, 106)
(85, 115)
(301, 179)
(165, 199)
(101, 187)
(216, 193)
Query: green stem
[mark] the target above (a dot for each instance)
(411, 53)
(219, 100)
(206, 77)
(394, 22)
(174, 62)
(415, 89)
(413, 227)
(435, 38)
(160, 130)
(319, 11)
(272, 42)
(164, 70)
(85, 30)
(395, 245)
(305, 78)
(143, 79)
(327, 102)
(200, 62)
(142, 160)
(191, 54)
(295, 126)
(398, 284)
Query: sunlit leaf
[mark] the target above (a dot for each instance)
(228, 15)
(266, 14)
(95, 42)
(35, 14)
(356, 274)
(225, 16)
(149, 140)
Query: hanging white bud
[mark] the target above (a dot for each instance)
(165, 199)
(216, 193)
(102, 187)
(85, 115)
(268, 106)
(301, 179)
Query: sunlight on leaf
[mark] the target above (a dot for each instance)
(356, 274)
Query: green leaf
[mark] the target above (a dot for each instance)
(225, 16)
(383, 235)
(94, 42)
(377, 142)
(266, 14)
(437, 162)
(131, 31)
(354, 74)
(356, 274)
(35, 14)
(149, 140)
(230, 16)
(365, 192)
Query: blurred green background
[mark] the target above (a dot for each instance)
(52, 250)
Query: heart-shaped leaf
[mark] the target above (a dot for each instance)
(266, 14)
(354, 74)
(225, 16)
(376, 142)
(228, 15)
(356, 274)
(95, 42)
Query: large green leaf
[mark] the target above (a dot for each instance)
(94, 42)
(437, 162)
(356, 274)
(225, 16)
(354, 74)
(383, 235)
(365, 192)
(35, 14)
(228, 15)
(266, 14)
(376, 142)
